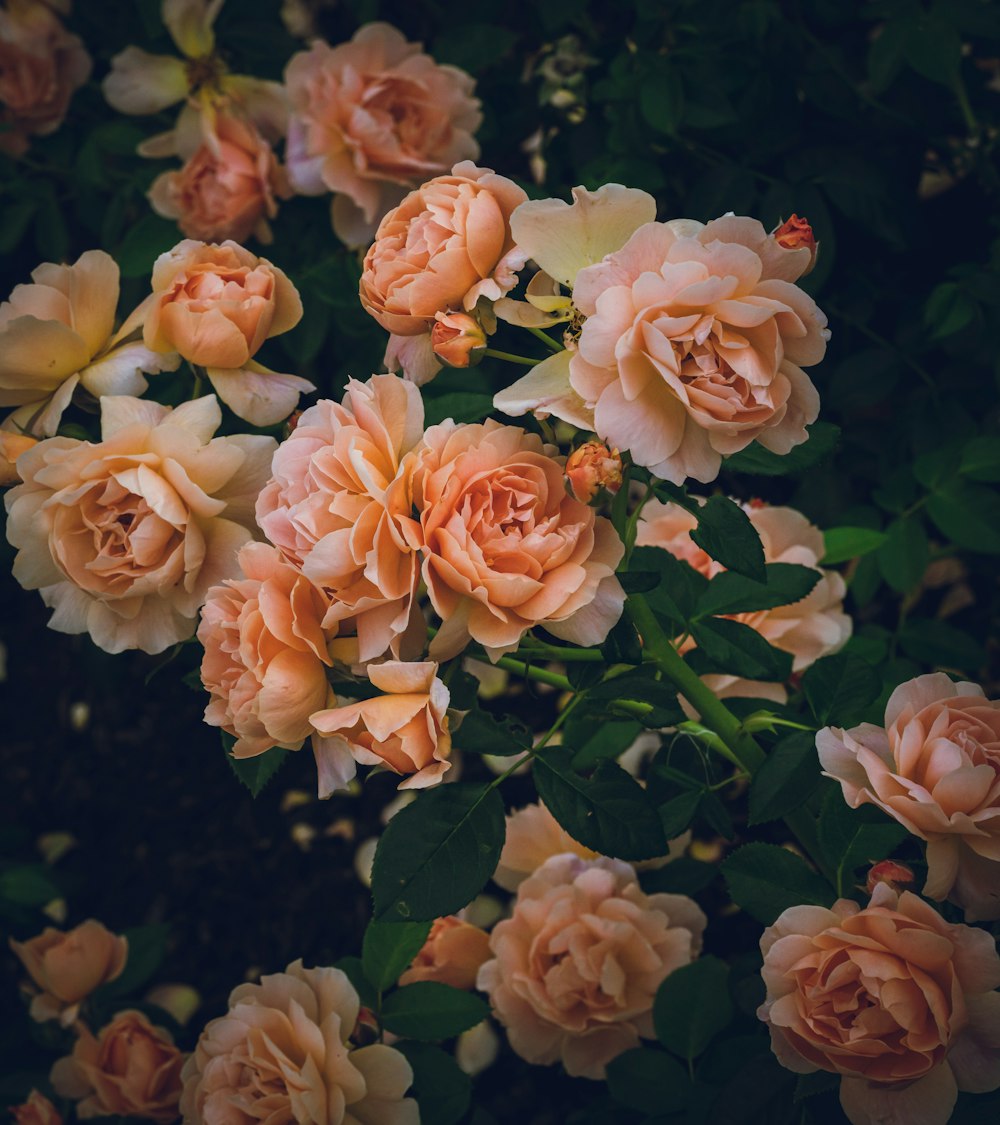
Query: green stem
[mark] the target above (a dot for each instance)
(552, 345)
(566, 655)
(560, 719)
(530, 672)
(511, 358)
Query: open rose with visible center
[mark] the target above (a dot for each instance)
(892, 997)
(934, 767)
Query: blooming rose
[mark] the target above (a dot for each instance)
(216, 305)
(125, 536)
(577, 966)
(282, 1053)
(337, 504)
(265, 654)
(592, 467)
(59, 333)
(505, 547)
(812, 627)
(372, 118)
(37, 1110)
(68, 967)
(936, 769)
(452, 954)
(131, 1068)
(227, 187)
(41, 64)
(892, 997)
(405, 730)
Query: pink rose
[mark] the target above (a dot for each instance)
(68, 967)
(131, 1069)
(505, 547)
(41, 64)
(592, 467)
(452, 954)
(892, 997)
(404, 730)
(936, 769)
(37, 1110)
(372, 118)
(338, 505)
(457, 339)
(125, 536)
(265, 654)
(577, 965)
(283, 1053)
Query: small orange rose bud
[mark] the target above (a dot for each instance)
(796, 233)
(592, 467)
(458, 339)
(11, 447)
(366, 1030)
(896, 875)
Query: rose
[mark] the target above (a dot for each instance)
(405, 730)
(371, 118)
(131, 1069)
(577, 965)
(457, 339)
(282, 1052)
(452, 954)
(12, 445)
(505, 548)
(936, 769)
(592, 467)
(68, 967)
(125, 536)
(41, 64)
(37, 1110)
(338, 505)
(265, 654)
(892, 997)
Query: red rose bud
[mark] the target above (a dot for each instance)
(895, 875)
(458, 339)
(592, 467)
(796, 233)
(366, 1030)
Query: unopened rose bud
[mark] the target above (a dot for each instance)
(366, 1030)
(796, 233)
(592, 467)
(458, 339)
(11, 447)
(895, 875)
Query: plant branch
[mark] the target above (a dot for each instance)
(511, 358)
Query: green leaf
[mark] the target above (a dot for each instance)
(969, 514)
(819, 1082)
(436, 854)
(609, 812)
(730, 592)
(931, 45)
(757, 461)
(479, 732)
(473, 46)
(725, 532)
(941, 645)
(679, 587)
(844, 543)
(903, 557)
(429, 1011)
(147, 947)
(28, 885)
(677, 813)
(851, 838)
(640, 686)
(389, 949)
(648, 1081)
(787, 779)
(353, 969)
(681, 876)
(764, 880)
(443, 1092)
(462, 406)
(661, 98)
(981, 458)
(839, 688)
(257, 771)
(145, 241)
(740, 650)
(949, 309)
(608, 741)
(692, 1006)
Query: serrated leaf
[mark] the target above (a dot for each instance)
(608, 741)
(940, 645)
(681, 876)
(764, 880)
(648, 1081)
(257, 771)
(479, 732)
(851, 838)
(757, 461)
(844, 543)
(729, 592)
(353, 969)
(430, 1011)
(679, 587)
(443, 1092)
(969, 514)
(726, 534)
(839, 687)
(740, 650)
(677, 813)
(28, 885)
(389, 949)
(147, 947)
(692, 1006)
(903, 557)
(787, 779)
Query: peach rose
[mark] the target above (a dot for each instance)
(505, 547)
(68, 967)
(124, 537)
(936, 769)
(892, 997)
(131, 1068)
(810, 628)
(265, 654)
(227, 187)
(58, 333)
(577, 966)
(282, 1053)
(37, 1110)
(372, 118)
(216, 305)
(457, 339)
(452, 954)
(592, 467)
(41, 65)
(11, 447)
(405, 730)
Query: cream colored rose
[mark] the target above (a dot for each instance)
(37, 1110)
(505, 547)
(282, 1053)
(935, 768)
(892, 997)
(124, 537)
(577, 965)
(68, 967)
(265, 653)
(452, 954)
(131, 1068)
(338, 505)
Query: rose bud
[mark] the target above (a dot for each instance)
(458, 339)
(366, 1030)
(796, 233)
(894, 875)
(592, 467)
